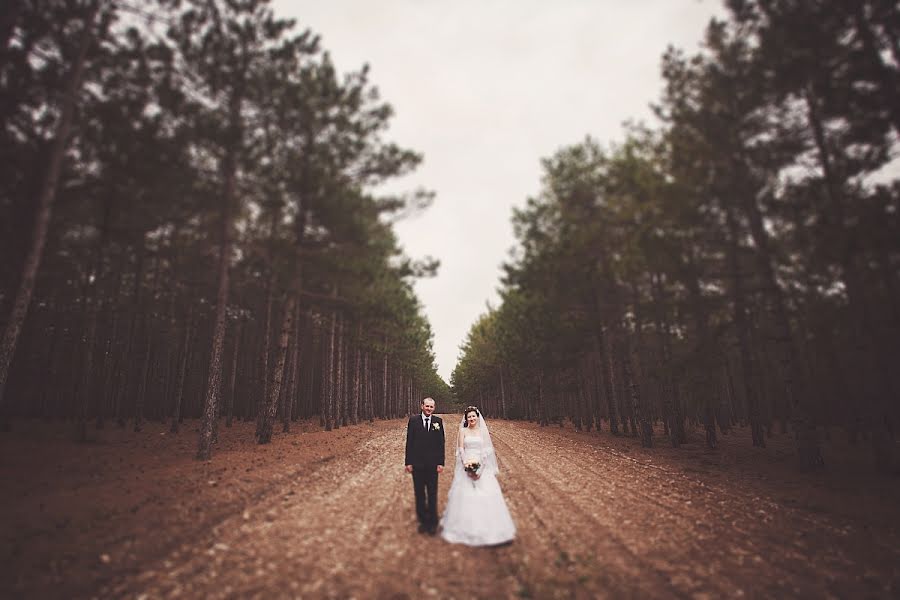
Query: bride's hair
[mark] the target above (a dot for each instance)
(467, 411)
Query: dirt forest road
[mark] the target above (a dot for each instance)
(592, 522)
(322, 514)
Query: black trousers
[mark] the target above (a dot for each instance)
(425, 480)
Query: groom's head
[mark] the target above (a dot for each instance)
(428, 406)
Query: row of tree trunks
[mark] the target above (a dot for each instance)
(150, 365)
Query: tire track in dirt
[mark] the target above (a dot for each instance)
(784, 552)
(658, 473)
(631, 517)
(682, 520)
(207, 521)
(250, 545)
(797, 547)
(751, 517)
(599, 560)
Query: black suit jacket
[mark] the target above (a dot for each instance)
(424, 448)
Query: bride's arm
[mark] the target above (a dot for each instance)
(459, 445)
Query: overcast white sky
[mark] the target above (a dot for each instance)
(485, 89)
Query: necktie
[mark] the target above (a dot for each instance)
(427, 424)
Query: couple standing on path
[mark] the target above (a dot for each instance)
(476, 513)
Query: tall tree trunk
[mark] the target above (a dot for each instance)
(611, 405)
(579, 397)
(92, 302)
(267, 422)
(44, 201)
(284, 398)
(123, 361)
(270, 285)
(877, 382)
(108, 372)
(229, 410)
(182, 370)
(798, 400)
(542, 401)
(264, 355)
(84, 387)
(357, 360)
(384, 384)
(370, 386)
(631, 382)
(214, 377)
(292, 380)
(748, 368)
(703, 351)
(340, 399)
(632, 360)
(673, 415)
(144, 383)
(503, 411)
(328, 378)
(167, 380)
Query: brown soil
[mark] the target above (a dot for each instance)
(319, 514)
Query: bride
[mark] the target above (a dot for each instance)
(476, 513)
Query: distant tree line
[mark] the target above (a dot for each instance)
(739, 265)
(187, 224)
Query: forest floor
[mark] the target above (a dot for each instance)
(318, 514)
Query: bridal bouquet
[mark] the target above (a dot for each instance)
(472, 468)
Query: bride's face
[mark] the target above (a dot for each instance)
(472, 418)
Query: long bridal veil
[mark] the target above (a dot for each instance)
(476, 513)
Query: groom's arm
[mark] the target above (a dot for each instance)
(410, 432)
(443, 445)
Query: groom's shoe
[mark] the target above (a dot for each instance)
(432, 530)
(422, 528)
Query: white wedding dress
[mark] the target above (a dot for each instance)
(476, 513)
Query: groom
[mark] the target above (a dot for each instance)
(425, 459)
